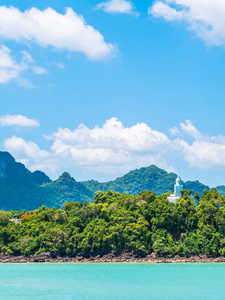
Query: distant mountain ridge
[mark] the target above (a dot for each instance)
(22, 189)
(146, 178)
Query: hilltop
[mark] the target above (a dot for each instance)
(144, 179)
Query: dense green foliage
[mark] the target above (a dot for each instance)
(142, 224)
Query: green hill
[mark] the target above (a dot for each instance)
(144, 179)
(18, 187)
(149, 178)
(22, 189)
(221, 189)
(65, 189)
(196, 186)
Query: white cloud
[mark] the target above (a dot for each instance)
(205, 17)
(111, 148)
(205, 152)
(186, 128)
(11, 70)
(174, 131)
(113, 134)
(18, 120)
(118, 6)
(30, 154)
(49, 28)
(190, 129)
(160, 9)
(115, 149)
(39, 70)
(20, 147)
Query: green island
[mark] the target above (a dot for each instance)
(143, 224)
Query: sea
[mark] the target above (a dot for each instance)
(112, 281)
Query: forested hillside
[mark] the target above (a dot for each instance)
(143, 179)
(221, 189)
(140, 224)
(19, 188)
(65, 189)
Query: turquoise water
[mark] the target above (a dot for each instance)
(112, 281)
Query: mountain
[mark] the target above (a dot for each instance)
(196, 186)
(22, 189)
(221, 189)
(40, 178)
(18, 189)
(148, 178)
(65, 189)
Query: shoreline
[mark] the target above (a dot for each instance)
(110, 258)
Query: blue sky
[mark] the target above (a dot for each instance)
(145, 78)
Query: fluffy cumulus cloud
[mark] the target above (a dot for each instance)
(30, 154)
(111, 148)
(110, 145)
(115, 149)
(49, 28)
(18, 120)
(118, 6)
(204, 152)
(10, 69)
(205, 17)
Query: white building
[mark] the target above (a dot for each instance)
(177, 188)
(16, 221)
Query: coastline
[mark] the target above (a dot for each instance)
(46, 257)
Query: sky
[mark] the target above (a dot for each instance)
(100, 88)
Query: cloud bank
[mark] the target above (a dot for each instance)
(48, 28)
(204, 17)
(28, 153)
(109, 149)
(118, 7)
(115, 149)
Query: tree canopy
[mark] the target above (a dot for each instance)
(142, 223)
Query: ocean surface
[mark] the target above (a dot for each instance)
(112, 281)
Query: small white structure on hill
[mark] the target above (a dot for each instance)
(177, 188)
(16, 221)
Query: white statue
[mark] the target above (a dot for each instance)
(177, 194)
